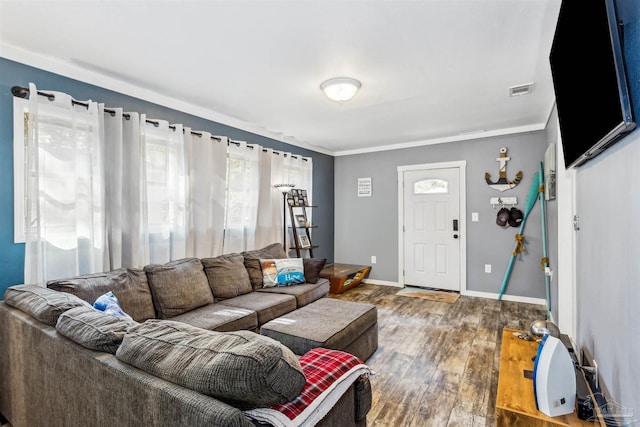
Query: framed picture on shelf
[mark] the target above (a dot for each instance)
(304, 241)
(301, 220)
(302, 197)
(290, 200)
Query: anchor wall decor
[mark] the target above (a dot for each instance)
(503, 183)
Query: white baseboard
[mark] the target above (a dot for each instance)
(382, 282)
(488, 295)
(505, 297)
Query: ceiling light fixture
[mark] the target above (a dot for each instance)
(340, 89)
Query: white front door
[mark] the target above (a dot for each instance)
(432, 228)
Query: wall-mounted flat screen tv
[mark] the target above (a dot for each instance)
(589, 79)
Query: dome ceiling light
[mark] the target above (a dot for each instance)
(340, 89)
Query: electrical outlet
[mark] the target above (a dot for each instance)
(487, 268)
(373, 259)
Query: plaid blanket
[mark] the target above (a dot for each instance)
(329, 374)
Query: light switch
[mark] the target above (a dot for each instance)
(474, 216)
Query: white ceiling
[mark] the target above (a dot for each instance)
(431, 70)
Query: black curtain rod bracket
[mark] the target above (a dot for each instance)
(23, 92)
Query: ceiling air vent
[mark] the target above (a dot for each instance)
(520, 89)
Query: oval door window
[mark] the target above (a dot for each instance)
(431, 186)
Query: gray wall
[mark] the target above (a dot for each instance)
(608, 271)
(367, 226)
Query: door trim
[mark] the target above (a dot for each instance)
(462, 166)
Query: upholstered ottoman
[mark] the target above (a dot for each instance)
(329, 323)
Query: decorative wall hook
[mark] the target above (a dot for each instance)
(503, 201)
(503, 183)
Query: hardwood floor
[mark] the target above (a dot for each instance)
(437, 363)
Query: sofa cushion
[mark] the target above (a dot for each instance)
(305, 293)
(268, 306)
(252, 261)
(93, 329)
(282, 272)
(241, 368)
(221, 318)
(44, 304)
(178, 286)
(312, 268)
(129, 285)
(227, 276)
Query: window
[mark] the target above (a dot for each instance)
(431, 186)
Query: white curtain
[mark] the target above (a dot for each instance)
(207, 165)
(65, 215)
(270, 200)
(107, 189)
(165, 189)
(112, 125)
(242, 196)
(134, 249)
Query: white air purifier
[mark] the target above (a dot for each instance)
(554, 378)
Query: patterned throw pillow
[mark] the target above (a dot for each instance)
(282, 272)
(252, 261)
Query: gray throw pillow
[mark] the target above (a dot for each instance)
(227, 276)
(129, 285)
(242, 368)
(44, 304)
(252, 261)
(93, 329)
(312, 268)
(178, 286)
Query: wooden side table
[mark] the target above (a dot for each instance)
(515, 401)
(344, 276)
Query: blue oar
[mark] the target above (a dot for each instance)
(545, 261)
(519, 247)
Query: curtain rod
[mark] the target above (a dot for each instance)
(23, 92)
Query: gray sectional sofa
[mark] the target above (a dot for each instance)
(188, 356)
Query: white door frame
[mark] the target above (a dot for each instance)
(461, 165)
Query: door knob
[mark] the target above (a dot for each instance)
(455, 236)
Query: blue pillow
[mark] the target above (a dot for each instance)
(110, 305)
